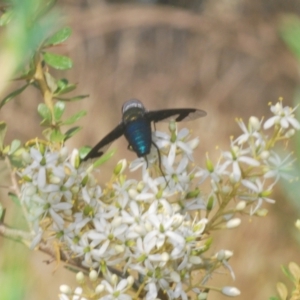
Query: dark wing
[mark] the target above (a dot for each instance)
(102, 146)
(176, 114)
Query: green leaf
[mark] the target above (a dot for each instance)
(16, 161)
(58, 62)
(65, 89)
(46, 123)
(286, 272)
(62, 83)
(83, 151)
(15, 145)
(72, 131)
(6, 17)
(290, 33)
(2, 213)
(47, 132)
(282, 290)
(44, 112)
(59, 37)
(76, 98)
(51, 82)
(59, 109)
(105, 157)
(56, 136)
(14, 198)
(3, 129)
(74, 118)
(13, 95)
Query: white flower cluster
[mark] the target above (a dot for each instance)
(156, 230)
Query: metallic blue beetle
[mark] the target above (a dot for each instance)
(136, 126)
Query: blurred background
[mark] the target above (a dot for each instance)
(226, 57)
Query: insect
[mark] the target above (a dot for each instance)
(136, 126)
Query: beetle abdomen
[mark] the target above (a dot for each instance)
(138, 135)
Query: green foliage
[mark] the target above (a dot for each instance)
(45, 113)
(58, 62)
(2, 213)
(13, 94)
(105, 157)
(3, 129)
(14, 198)
(290, 33)
(292, 272)
(59, 37)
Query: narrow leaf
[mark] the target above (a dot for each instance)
(105, 157)
(83, 151)
(74, 118)
(51, 82)
(56, 136)
(14, 198)
(290, 33)
(6, 17)
(59, 109)
(72, 132)
(282, 290)
(58, 62)
(76, 98)
(3, 129)
(66, 89)
(13, 95)
(2, 213)
(44, 112)
(62, 83)
(15, 145)
(59, 37)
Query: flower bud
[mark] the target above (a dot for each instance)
(254, 123)
(75, 159)
(230, 291)
(210, 203)
(65, 289)
(63, 153)
(93, 275)
(261, 212)
(202, 296)
(172, 126)
(130, 280)
(99, 289)
(120, 167)
(209, 164)
(192, 194)
(297, 224)
(132, 193)
(233, 223)
(241, 205)
(114, 279)
(80, 277)
(265, 154)
(290, 133)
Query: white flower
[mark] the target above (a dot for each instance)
(177, 178)
(174, 141)
(279, 168)
(116, 290)
(236, 156)
(121, 192)
(283, 116)
(39, 165)
(250, 131)
(257, 193)
(214, 172)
